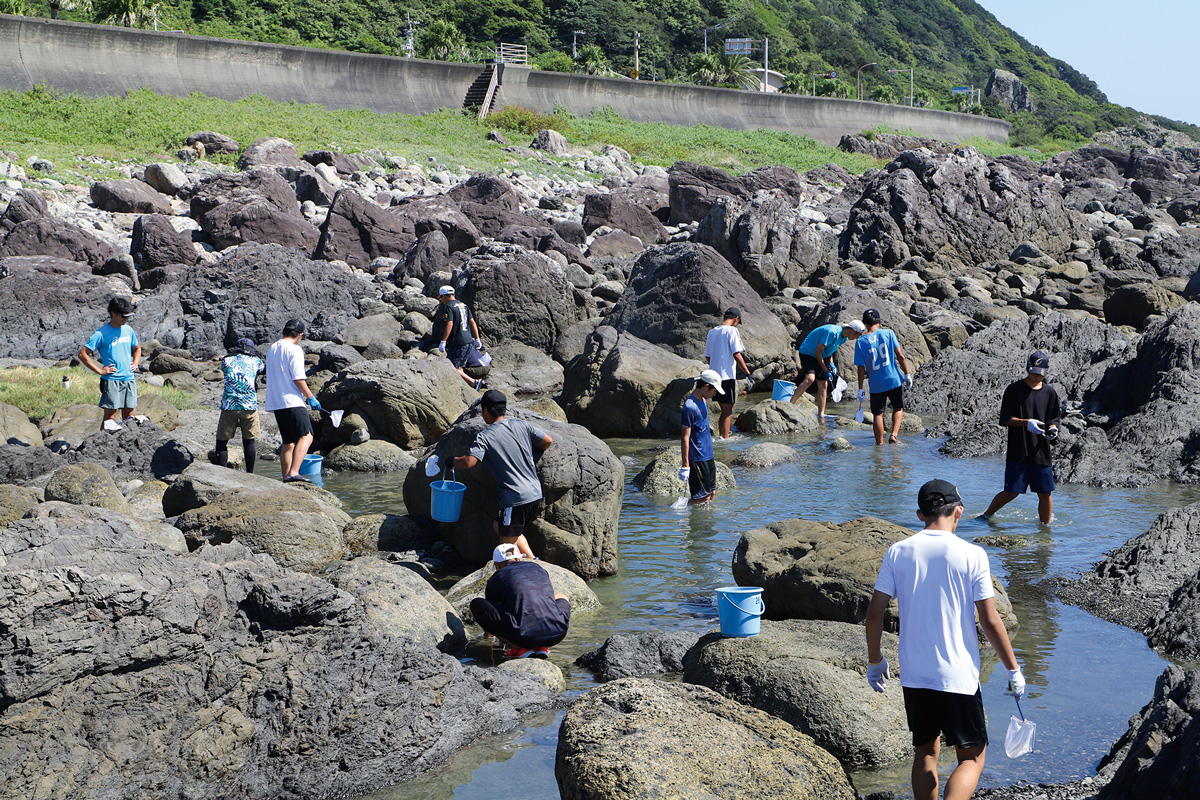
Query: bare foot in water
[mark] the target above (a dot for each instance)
(893, 439)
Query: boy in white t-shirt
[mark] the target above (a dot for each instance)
(723, 351)
(940, 582)
(287, 395)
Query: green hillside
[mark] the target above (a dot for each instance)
(947, 44)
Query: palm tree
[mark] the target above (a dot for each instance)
(592, 60)
(130, 13)
(705, 69)
(793, 83)
(14, 7)
(66, 5)
(441, 41)
(737, 71)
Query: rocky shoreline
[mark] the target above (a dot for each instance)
(134, 569)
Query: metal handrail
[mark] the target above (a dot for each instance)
(512, 54)
(491, 93)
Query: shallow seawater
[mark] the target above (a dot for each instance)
(1086, 676)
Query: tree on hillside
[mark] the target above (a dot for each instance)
(737, 71)
(129, 13)
(66, 5)
(14, 7)
(885, 93)
(793, 83)
(441, 41)
(705, 69)
(592, 60)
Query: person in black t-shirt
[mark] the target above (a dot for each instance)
(456, 332)
(520, 607)
(1031, 412)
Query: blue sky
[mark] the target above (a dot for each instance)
(1142, 54)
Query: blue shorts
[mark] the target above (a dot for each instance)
(457, 353)
(118, 394)
(1019, 478)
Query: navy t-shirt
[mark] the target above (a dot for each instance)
(523, 589)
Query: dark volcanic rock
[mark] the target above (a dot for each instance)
(48, 236)
(694, 189)
(139, 450)
(214, 143)
(358, 231)
(961, 205)
(213, 674)
(253, 206)
(25, 205)
(638, 655)
(678, 292)
(441, 214)
(516, 294)
(490, 202)
(129, 197)
(254, 291)
(156, 243)
(344, 163)
(429, 254)
(539, 239)
(269, 151)
(20, 462)
(615, 212)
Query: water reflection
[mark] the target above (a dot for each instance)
(1086, 676)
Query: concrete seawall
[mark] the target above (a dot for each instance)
(100, 60)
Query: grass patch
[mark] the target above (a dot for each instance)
(39, 391)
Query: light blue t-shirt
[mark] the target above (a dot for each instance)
(115, 346)
(828, 335)
(695, 416)
(876, 352)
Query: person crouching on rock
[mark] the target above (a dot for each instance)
(507, 446)
(699, 470)
(117, 347)
(520, 606)
(239, 402)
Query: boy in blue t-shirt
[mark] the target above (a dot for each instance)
(699, 470)
(876, 354)
(117, 347)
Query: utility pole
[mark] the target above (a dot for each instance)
(575, 44)
(766, 49)
(409, 33)
(637, 49)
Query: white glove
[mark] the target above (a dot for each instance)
(442, 348)
(908, 381)
(877, 674)
(749, 385)
(1036, 427)
(862, 395)
(1016, 684)
(431, 466)
(478, 345)
(683, 473)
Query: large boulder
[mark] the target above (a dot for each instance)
(86, 484)
(1133, 303)
(399, 602)
(621, 214)
(23, 206)
(410, 402)
(638, 655)
(960, 206)
(291, 528)
(253, 206)
(811, 674)
(694, 188)
(442, 214)
(520, 370)
(661, 475)
(773, 417)
(202, 483)
(582, 483)
(639, 739)
(358, 231)
(16, 428)
(490, 202)
(373, 455)
(258, 288)
(521, 295)
(49, 236)
(137, 451)
(624, 386)
(1175, 631)
(78, 423)
(129, 197)
(156, 243)
(678, 292)
(826, 571)
(19, 462)
(151, 530)
(582, 598)
(269, 151)
(132, 671)
(1008, 90)
(15, 501)
(214, 143)
(1156, 757)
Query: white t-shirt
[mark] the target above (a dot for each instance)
(936, 579)
(723, 341)
(285, 366)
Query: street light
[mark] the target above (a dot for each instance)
(575, 44)
(910, 82)
(858, 77)
(713, 28)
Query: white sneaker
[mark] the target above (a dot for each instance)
(113, 425)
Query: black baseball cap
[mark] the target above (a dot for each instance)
(494, 401)
(935, 494)
(1038, 363)
(871, 317)
(293, 327)
(121, 305)
(733, 311)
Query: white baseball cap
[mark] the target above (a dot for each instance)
(445, 290)
(505, 552)
(713, 379)
(856, 325)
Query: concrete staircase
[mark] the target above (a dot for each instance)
(482, 93)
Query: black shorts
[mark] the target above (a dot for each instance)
(457, 353)
(702, 480)
(958, 716)
(512, 521)
(498, 622)
(810, 364)
(894, 396)
(294, 424)
(729, 387)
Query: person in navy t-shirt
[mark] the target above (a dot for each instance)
(520, 607)
(699, 470)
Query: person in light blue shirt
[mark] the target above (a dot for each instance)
(880, 360)
(816, 359)
(117, 348)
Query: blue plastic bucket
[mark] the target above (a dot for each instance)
(446, 499)
(740, 609)
(783, 391)
(311, 465)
